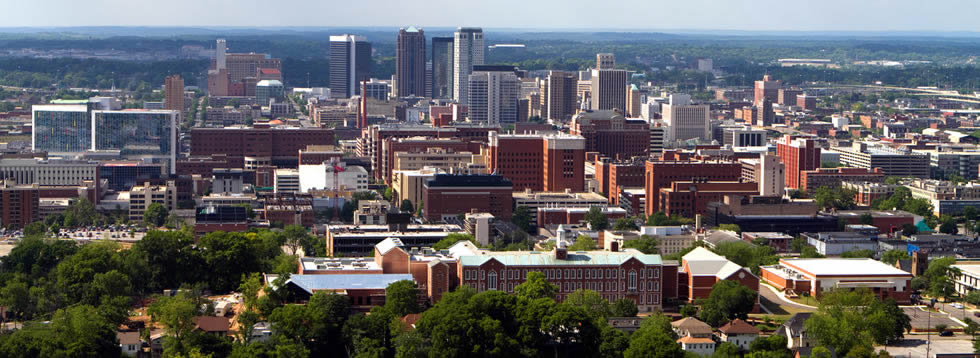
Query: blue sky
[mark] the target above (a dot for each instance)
(757, 15)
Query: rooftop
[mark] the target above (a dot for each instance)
(313, 283)
(843, 267)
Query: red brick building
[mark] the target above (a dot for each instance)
(449, 195)
(611, 134)
(203, 165)
(660, 174)
(281, 145)
(689, 198)
(19, 205)
(810, 180)
(615, 175)
(813, 276)
(318, 154)
(798, 155)
(540, 162)
(394, 145)
(645, 279)
(701, 269)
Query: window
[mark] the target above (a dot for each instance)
(656, 285)
(656, 273)
(558, 272)
(492, 281)
(483, 274)
(632, 280)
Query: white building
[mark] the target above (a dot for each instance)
(468, 51)
(684, 120)
(286, 181)
(768, 171)
(969, 278)
(321, 177)
(493, 96)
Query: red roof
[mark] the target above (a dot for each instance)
(212, 324)
(739, 327)
(270, 71)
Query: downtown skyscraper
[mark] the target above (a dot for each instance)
(442, 67)
(350, 64)
(410, 62)
(468, 51)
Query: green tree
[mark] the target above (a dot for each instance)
(176, 314)
(624, 307)
(645, 244)
(940, 275)
(535, 286)
(846, 320)
(522, 218)
(728, 300)
(596, 219)
(949, 227)
(402, 297)
(592, 302)
(407, 206)
(625, 224)
(655, 338)
(829, 198)
(574, 327)
(730, 227)
(689, 310)
(451, 240)
(582, 243)
(613, 342)
(909, 229)
(892, 256)
(293, 237)
(155, 215)
(867, 219)
(35, 229)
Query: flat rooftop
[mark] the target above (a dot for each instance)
(843, 267)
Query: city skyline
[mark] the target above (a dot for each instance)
(700, 15)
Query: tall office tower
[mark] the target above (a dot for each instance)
(767, 88)
(605, 61)
(684, 120)
(633, 105)
(350, 64)
(798, 155)
(173, 89)
(442, 67)
(764, 115)
(467, 52)
(494, 92)
(609, 89)
(61, 128)
(410, 62)
(559, 93)
(146, 134)
(220, 48)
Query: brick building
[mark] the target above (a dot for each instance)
(810, 180)
(19, 205)
(660, 174)
(798, 155)
(615, 175)
(701, 269)
(449, 195)
(816, 276)
(690, 198)
(540, 162)
(611, 134)
(280, 145)
(563, 216)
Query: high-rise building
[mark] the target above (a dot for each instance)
(410, 62)
(493, 94)
(764, 115)
(685, 120)
(144, 134)
(442, 67)
(605, 61)
(766, 88)
(787, 96)
(611, 134)
(633, 105)
(61, 128)
(350, 64)
(220, 49)
(266, 90)
(798, 155)
(173, 90)
(560, 95)
(766, 170)
(609, 89)
(540, 162)
(468, 51)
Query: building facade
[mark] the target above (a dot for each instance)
(468, 51)
(350, 64)
(410, 62)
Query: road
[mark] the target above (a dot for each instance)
(957, 313)
(770, 294)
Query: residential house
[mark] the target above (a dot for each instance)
(739, 333)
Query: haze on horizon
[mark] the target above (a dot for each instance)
(741, 15)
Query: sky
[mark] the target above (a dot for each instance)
(746, 15)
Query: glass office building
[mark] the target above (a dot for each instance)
(136, 133)
(61, 128)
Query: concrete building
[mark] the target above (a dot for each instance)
(611, 134)
(945, 162)
(493, 94)
(947, 198)
(468, 51)
(407, 184)
(810, 180)
(891, 161)
(450, 195)
(357, 240)
(140, 198)
(767, 88)
(768, 171)
(605, 61)
(480, 226)
(330, 177)
(410, 77)
(350, 64)
(227, 180)
(837, 243)
(633, 101)
(371, 212)
(48, 172)
(287, 181)
(608, 89)
(798, 155)
(685, 121)
(817, 276)
(745, 137)
(567, 199)
(540, 162)
(559, 95)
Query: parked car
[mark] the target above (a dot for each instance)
(946, 333)
(958, 306)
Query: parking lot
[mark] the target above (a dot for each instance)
(915, 346)
(922, 320)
